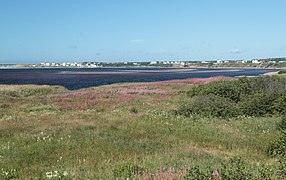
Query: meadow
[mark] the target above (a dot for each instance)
(133, 130)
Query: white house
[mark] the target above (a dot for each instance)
(183, 63)
(242, 61)
(255, 61)
(153, 62)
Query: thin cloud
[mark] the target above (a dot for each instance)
(235, 51)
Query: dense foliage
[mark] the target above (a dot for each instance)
(209, 105)
(255, 96)
(258, 104)
(282, 125)
(278, 147)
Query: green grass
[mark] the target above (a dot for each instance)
(41, 136)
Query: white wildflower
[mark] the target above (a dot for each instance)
(49, 174)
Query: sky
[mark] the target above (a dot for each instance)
(34, 31)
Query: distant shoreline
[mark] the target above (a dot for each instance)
(157, 67)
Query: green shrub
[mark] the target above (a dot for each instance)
(258, 104)
(255, 96)
(282, 124)
(278, 147)
(236, 90)
(266, 84)
(236, 168)
(196, 172)
(231, 89)
(279, 104)
(282, 168)
(209, 105)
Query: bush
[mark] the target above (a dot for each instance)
(266, 84)
(236, 90)
(231, 89)
(195, 172)
(279, 104)
(282, 168)
(282, 124)
(259, 104)
(209, 105)
(278, 147)
(255, 96)
(236, 168)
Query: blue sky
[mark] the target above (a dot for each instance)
(128, 30)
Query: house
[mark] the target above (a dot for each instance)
(182, 63)
(153, 62)
(242, 61)
(93, 65)
(255, 61)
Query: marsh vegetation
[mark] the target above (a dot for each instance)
(192, 129)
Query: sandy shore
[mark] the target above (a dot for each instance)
(271, 73)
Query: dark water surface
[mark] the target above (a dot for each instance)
(77, 78)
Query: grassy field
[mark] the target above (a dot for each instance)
(97, 133)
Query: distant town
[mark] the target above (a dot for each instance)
(260, 63)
